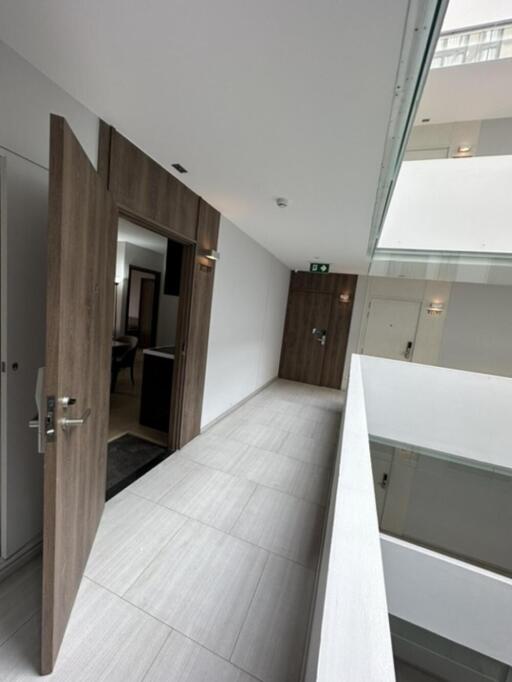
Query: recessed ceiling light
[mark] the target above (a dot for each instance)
(425, 120)
(179, 168)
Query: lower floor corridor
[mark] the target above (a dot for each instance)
(203, 569)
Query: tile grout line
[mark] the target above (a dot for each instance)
(230, 531)
(249, 607)
(235, 537)
(173, 628)
(240, 478)
(160, 549)
(25, 622)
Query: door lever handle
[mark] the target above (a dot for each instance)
(67, 422)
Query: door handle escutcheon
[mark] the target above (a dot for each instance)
(67, 422)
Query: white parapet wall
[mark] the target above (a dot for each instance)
(350, 637)
(459, 601)
(463, 414)
(466, 414)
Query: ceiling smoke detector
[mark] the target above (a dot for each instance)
(282, 202)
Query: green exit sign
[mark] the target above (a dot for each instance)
(322, 268)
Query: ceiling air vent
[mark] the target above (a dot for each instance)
(179, 168)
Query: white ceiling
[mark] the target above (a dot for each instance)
(257, 99)
(469, 92)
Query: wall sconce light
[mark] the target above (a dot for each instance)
(345, 298)
(435, 308)
(211, 254)
(463, 150)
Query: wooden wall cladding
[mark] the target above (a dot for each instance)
(199, 324)
(150, 195)
(144, 188)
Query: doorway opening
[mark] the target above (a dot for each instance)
(145, 325)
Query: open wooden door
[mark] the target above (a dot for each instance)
(82, 234)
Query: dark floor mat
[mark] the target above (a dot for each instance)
(129, 457)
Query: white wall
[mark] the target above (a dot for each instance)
(430, 327)
(478, 330)
(451, 205)
(27, 98)
(248, 310)
(474, 331)
(133, 254)
(460, 413)
(463, 603)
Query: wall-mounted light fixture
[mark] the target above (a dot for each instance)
(345, 297)
(435, 308)
(211, 254)
(463, 150)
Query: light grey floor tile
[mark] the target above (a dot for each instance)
(20, 598)
(272, 641)
(217, 452)
(282, 524)
(284, 406)
(106, 640)
(182, 660)
(226, 426)
(131, 533)
(210, 496)
(289, 475)
(201, 585)
(294, 423)
(310, 450)
(159, 480)
(322, 415)
(266, 437)
(260, 414)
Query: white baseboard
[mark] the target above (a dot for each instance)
(14, 563)
(237, 405)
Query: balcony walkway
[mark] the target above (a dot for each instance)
(204, 568)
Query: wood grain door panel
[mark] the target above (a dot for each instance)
(303, 354)
(82, 233)
(314, 302)
(339, 328)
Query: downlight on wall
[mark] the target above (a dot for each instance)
(210, 254)
(345, 297)
(463, 151)
(435, 308)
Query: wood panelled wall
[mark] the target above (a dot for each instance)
(314, 301)
(200, 310)
(151, 196)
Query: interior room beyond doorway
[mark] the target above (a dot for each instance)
(148, 269)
